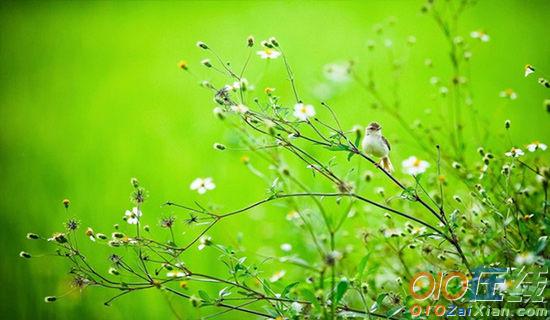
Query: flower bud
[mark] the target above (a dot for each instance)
(267, 44)
(118, 235)
(134, 182)
(218, 112)
(364, 287)
(183, 65)
(146, 228)
(195, 302)
(219, 146)
(114, 243)
(101, 236)
(202, 45)
(456, 165)
(32, 236)
(250, 41)
(274, 42)
(50, 299)
(66, 203)
(546, 104)
(507, 124)
(206, 63)
(24, 254)
(457, 198)
(114, 271)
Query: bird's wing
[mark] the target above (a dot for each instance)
(386, 142)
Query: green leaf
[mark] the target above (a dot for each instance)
(543, 241)
(351, 154)
(338, 147)
(310, 296)
(341, 289)
(287, 289)
(204, 296)
(361, 266)
(392, 312)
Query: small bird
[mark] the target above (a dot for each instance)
(375, 144)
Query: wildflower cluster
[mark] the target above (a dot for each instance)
(366, 231)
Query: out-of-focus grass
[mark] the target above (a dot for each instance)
(90, 95)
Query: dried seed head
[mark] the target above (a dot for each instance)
(66, 203)
(507, 124)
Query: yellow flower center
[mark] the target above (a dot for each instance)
(416, 163)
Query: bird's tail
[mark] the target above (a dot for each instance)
(386, 164)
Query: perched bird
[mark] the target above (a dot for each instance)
(375, 144)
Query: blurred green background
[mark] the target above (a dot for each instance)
(90, 96)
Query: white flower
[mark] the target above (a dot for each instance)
(286, 247)
(277, 276)
(303, 111)
(533, 146)
(388, 43)
(514, 153)
(509, 94)
(240, 108)
(529, 69)
(480, 35)
(204, 241)
(525, 258)
(202, 185)
(414, 166)
(296, 306)
(132, 217)
(338, 72)
(268, 53)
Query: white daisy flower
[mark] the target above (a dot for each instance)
(533, 146)
(338, 72)
(286, 247)
(514, 153)
(277, 276)
(268, 53)
(529, 69)
(509, 94)
(525, 258)
(240, 108)
(202, 185)
(303, 111)
(414, 166)
(132, 217)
